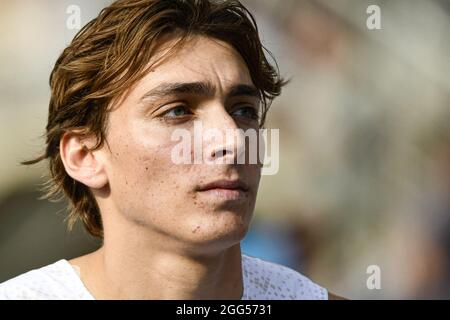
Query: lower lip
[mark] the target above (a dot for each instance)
(225, 194)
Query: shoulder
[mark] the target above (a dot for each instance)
(332, 296)
(267, 280)
(54, 281)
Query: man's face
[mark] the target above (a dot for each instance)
(178, 201)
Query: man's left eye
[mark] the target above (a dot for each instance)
(247, 112)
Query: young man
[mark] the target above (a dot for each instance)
(129, 79)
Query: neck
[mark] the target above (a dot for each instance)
(137, 270)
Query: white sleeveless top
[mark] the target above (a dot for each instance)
(262, 280)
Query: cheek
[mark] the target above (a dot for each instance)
(142, 165)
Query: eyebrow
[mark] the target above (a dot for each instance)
(199, 88)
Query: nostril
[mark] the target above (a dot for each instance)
(220, 153)
(217, 154)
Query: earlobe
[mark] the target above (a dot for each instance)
(81, 162)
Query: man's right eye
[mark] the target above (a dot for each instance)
(176, 112)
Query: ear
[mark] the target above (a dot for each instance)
(81, 163)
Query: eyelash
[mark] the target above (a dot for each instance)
(253, 116)
(164, 114)
(254, 113)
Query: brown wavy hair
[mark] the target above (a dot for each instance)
(111, 53)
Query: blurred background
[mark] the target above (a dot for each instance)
(364, 125)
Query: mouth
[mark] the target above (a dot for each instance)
(225, 189)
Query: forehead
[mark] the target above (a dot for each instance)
(200, 59)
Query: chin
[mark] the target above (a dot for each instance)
(223, 234)
(227, 232)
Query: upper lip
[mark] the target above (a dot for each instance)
(225, 184)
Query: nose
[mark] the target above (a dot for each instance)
(223, 141)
